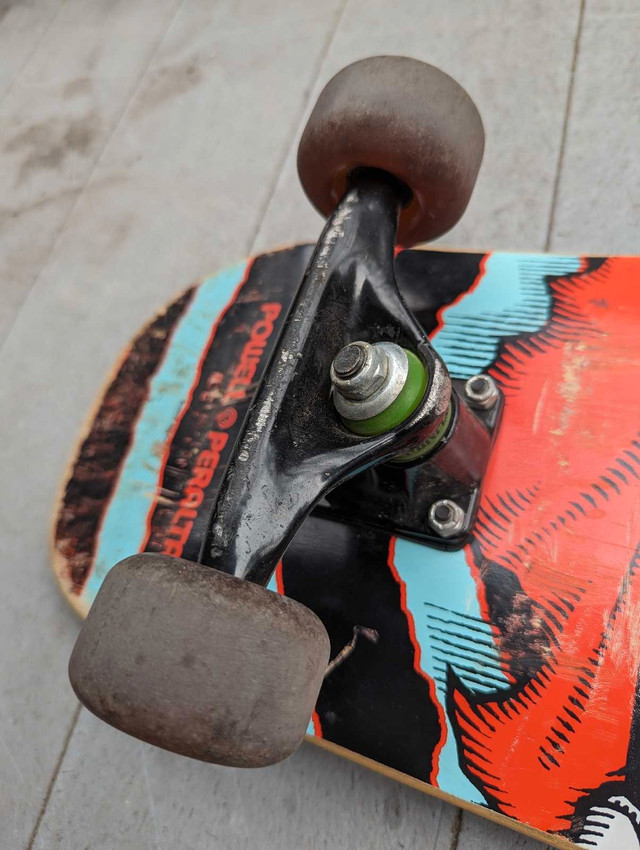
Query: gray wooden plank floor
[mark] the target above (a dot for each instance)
(143, 145)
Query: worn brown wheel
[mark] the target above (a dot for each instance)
(404, 117)
(199, 662)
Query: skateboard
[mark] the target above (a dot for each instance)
(457, 580)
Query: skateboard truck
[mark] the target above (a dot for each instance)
(355, 417)
(429, 493)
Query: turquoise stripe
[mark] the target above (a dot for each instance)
(443, 579)
(125, 524)
(511, 298)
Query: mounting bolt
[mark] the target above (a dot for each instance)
(446, 518)
(481, 392)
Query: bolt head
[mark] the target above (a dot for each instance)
(446, 518)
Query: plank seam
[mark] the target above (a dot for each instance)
(81, 191)
(565, 128)
(284, 156)
(39, 41)
(456, 830)
(54, 777)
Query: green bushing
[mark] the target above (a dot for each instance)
(400, 409)
(427, 446)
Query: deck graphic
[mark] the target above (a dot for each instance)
(505, 674)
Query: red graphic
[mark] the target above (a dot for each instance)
(561, 509)
(226, 418)
(187, 403)
(245, 372)
(204, 468)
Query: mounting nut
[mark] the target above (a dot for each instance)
(481, 392)
(446, 518)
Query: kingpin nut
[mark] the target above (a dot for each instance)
(376, 386)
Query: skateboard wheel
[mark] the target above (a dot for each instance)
(404, 117)
(199, 662)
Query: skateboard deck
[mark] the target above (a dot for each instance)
(503, 676)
